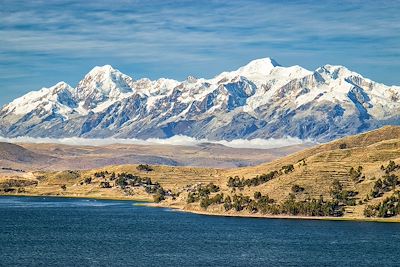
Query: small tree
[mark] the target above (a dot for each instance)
(121, 182)
(336, 189)
(144, 167)
(158, 197)
(287, 168)
(191, 198)
(88, 180)
(391, 180)
(257, 195)
(105, 184)
(228, 203)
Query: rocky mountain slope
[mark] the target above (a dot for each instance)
(259, 100)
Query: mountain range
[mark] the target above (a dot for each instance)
(259, 100)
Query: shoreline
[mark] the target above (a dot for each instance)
(141, 200)
(281, 216)
(149, 203)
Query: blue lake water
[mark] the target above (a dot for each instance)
(81, 232)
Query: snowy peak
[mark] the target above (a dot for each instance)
(101, 84)
(256, 70)
(336, 72)
(261, 66)
(259, 100)
(34, 99)
(102, 69)
(106, 80)
(61, 87)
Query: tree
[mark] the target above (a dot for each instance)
(105, 184)
(158, 197)
(191, 198)
(88, 180)
(290, 206)
(336, 189)
(144, 167)
(205, 202)
(391, 181)
(377, 190)
(257, 195)
(288, 168)
(228, 203)
(121, 182)
(356, 175)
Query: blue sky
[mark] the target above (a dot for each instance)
(43, 42)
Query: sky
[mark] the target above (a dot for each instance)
(44, 42)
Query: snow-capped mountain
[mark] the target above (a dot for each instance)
(259, 100)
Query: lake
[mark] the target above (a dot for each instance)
(85, 232)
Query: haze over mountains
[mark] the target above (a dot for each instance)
(259, 100)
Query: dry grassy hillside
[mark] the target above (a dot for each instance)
(315, 169)
(83, 157)
(18, 154)
(294, 184)
(328, 161)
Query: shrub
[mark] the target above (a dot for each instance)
(191, 198)
(105, 184)
(121, 182)
(228, 203)
(356, 175)
(343, 146)
(257, 195)
(88, 180)
(287, 168)
(391, 167)
(158, 197)
(144, 167)
(297, 189)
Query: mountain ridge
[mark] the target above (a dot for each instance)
(259, 100)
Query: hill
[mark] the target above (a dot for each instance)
(18, 154)
(52, 157)
(353, 177)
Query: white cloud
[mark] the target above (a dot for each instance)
(176, 140)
